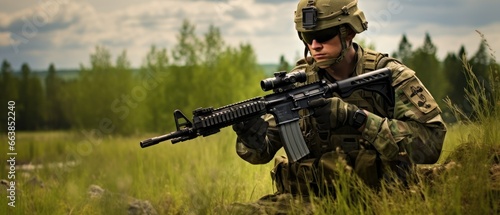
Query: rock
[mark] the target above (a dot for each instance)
(135, 206)
(495, 176)
(430, 172)
(95, 191)
(4, 182)
(141, 207)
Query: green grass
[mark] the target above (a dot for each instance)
(197, 176)
(189, 177)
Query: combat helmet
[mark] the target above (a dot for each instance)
(317, 15)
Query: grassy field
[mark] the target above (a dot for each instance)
(190, 177)
(197, 176)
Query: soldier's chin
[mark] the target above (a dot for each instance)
(323, 63)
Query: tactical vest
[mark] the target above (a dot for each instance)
(347, 138)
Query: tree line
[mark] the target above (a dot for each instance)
(108, 96)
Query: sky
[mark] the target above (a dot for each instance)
(66, 32)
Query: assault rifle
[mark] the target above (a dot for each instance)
(284, 104)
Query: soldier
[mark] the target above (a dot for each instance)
(361, 131)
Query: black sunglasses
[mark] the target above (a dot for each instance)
(320, 36)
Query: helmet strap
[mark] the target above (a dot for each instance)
(331, 62)
(306, 51)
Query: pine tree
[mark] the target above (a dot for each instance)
(9, 83)
(31, 101)
(8, 91)
(480, 62)
(454, 72)
(55, 118)
(186, 51)
(404, 52)
(283, 64)
(428, 69)
(22, 106)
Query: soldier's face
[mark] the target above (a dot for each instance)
(329, 49)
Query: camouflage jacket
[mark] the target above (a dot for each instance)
(412, 130)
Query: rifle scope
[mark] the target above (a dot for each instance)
(282, 79)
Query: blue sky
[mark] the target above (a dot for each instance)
(65, 32)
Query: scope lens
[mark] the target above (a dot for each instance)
(267, 84)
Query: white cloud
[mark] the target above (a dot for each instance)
(5, 39)
(4, 20)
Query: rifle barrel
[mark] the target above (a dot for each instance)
(156, 140)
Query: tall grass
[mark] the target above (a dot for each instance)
(188, 178)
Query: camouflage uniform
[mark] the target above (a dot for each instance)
(394, 138)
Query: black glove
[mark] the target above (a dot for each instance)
(252, 133)
(331, 113)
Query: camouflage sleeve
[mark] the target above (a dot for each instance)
(416, 129)
(272, 142)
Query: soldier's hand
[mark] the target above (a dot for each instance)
(331, 113)
(252, 133)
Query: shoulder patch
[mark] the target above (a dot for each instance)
(419, 95)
